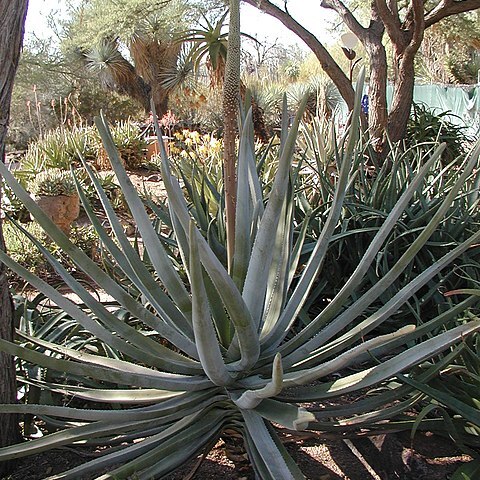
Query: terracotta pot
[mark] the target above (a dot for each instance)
(61, 209)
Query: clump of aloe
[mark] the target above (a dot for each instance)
(53, 182)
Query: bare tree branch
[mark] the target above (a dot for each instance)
(350, 21)
(418, 29)
(447, 8)
(331, 68)
(391, 21)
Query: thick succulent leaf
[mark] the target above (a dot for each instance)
(389, 368)
(382, 313)
(226, 288)
(393, 391)
(273, 460)
(280, 268)
(153, 379)
(272, 338)
(165, 412)
(130, 396)
(160, 356)
(364, 264)
(251, 398)
(244, 205)
(86, 264)
(157, 254)
(205, 335)
(113, 363)
(386, 281)
(285, 414)
(168, 331)
(467, 412)
(131, 264)
(469, 471)
(343, 360)
(69, 436)
(422, 331)
(175, 450)
(261, 257)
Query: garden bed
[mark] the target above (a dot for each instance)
(385, 457)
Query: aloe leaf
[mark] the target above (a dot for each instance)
(140, 345)
(285, 414)
(69, 436)
(174, 454)
(173, 451)
(468, 412)
(272, 458)
(133, 267)
(116, 324)
(223, 325)
(162, 264)
(167, 410)
(371, 295)
(109, 459)
(388, 369)
(205, 336)
(468, 471)
(88, 266)
(393, 392)
(383, 312)
(228, 292)
(251, 398)
(386, 413)
(127, 397)
(463, 291)
(261, 256)
(278, 275)
(151, 380)
(297, 252)
(344, 360)
(272, 338)
(364, 264)
(112, 363)
(244, 207)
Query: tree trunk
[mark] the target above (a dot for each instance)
(12, 21)
(160, 99)
(402, 100)
(377, 92)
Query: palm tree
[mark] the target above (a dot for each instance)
(209, 47)
(141, 80)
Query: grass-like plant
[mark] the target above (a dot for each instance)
(215, 350)
(370, 197)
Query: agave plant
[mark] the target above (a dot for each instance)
(216, 350)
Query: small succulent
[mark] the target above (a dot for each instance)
(52, 182)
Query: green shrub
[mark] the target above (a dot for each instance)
(428, 126)
(25, 253)
(131, 144)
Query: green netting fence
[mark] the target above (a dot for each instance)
(462, 101)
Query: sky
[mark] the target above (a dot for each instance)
(307, 12)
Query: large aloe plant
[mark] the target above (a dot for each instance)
(216, 351)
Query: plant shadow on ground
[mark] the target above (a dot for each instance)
(384, 457)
